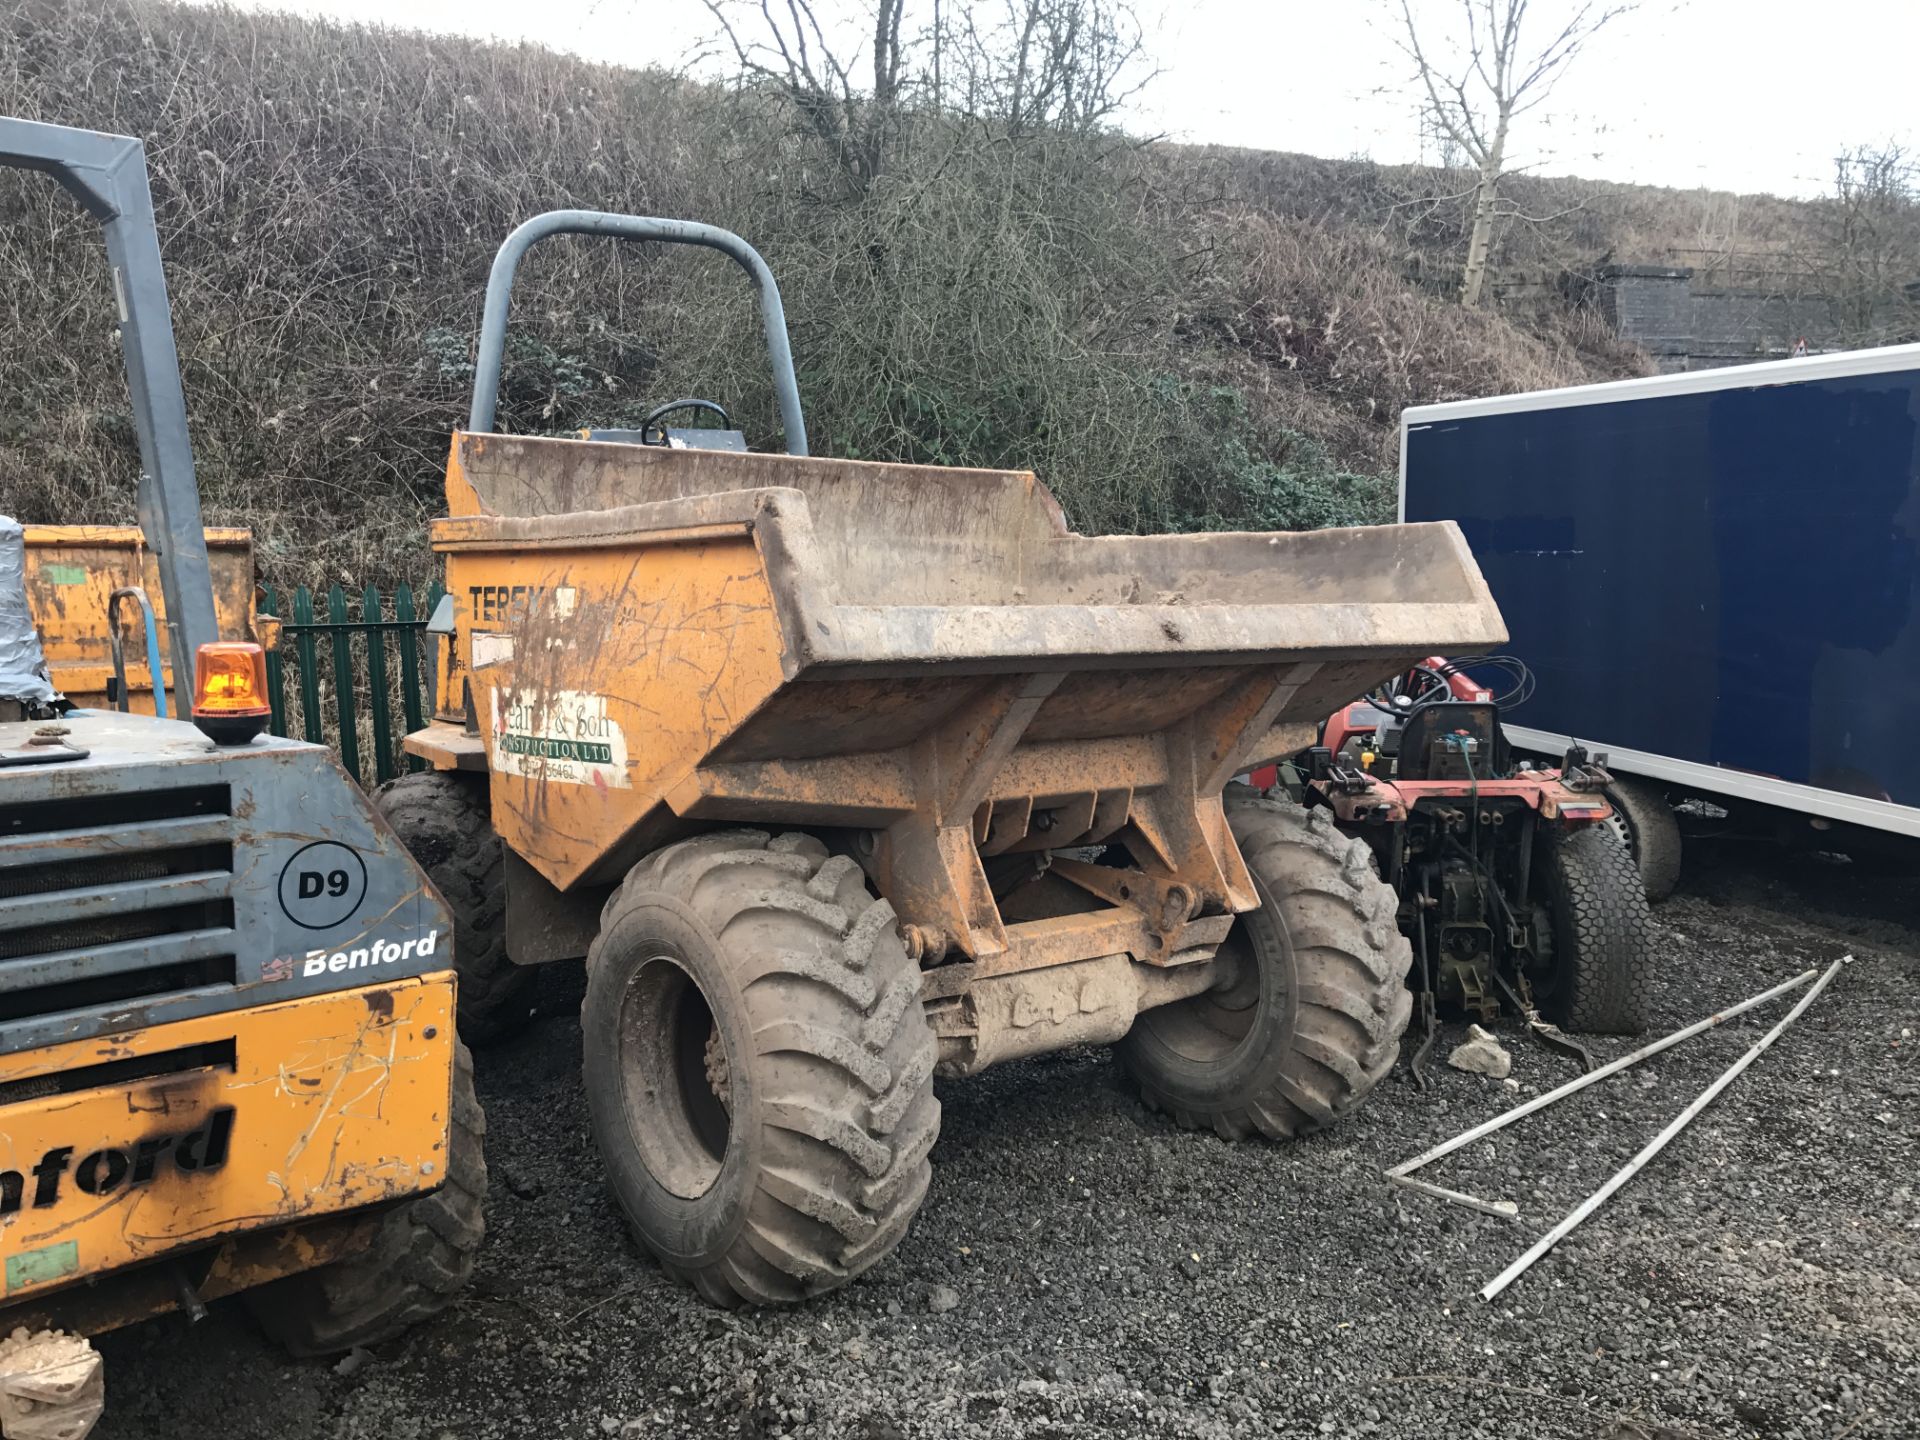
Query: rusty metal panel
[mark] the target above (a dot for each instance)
(977, 519)
(283, 1113)
(241, 1262)
(72, 569)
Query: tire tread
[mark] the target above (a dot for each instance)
(420, 1260)
(1654, 831)
(1603, 932)
(842, 1050)
(1351, 999)
(443, 820)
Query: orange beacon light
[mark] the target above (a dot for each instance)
(230, 691)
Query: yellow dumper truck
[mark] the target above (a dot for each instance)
(228, 1059)
(844, 775)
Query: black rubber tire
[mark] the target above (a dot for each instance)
(419, 1262)
(1602, 951)
(1316, 1021)
(1646, 822)
(805, 1167)
(443, 820)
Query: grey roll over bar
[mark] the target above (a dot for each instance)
(493, 322)
(107, 174)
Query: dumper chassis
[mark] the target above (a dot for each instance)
(845, 775)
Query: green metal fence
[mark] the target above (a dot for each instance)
(339, 664)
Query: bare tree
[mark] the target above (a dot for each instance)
(1025, 66)
(784, 42)
(1036, 65)
(1474, 86)
(1871, 254)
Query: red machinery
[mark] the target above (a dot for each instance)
(1511, 889)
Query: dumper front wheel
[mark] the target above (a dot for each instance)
(1314, 996)
(759, 1070)
(442, 819)
(422, 1253)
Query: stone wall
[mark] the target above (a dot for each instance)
(1658, 308)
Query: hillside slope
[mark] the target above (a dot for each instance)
(1172, 337)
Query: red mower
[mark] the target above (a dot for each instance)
(1513, 888)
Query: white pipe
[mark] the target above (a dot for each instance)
(1659, 1142)
(1614, 1067)
(1505, 1209)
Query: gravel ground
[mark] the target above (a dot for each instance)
(1082, 1268)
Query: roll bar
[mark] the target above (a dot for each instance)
(493, 321)
(107, 174)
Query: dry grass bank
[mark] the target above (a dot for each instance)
(1172, 337)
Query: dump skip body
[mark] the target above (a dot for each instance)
(653, 638)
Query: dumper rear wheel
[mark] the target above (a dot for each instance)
(759, 1070)
(1312, 1018)
(443, 820)
(1601, 953)
(422, 1253)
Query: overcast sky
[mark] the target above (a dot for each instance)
(1745, 95)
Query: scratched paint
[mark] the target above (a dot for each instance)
(331, 1103)
(926, 653)
(59, 1261)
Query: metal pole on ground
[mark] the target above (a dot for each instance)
(1659, 1142)
(1406, 1167)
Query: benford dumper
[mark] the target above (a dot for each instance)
(228, 1059)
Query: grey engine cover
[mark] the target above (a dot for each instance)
(161, 877)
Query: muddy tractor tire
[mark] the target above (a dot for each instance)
(420, 1260)
(759, 1070)
(1314, 1019)
(1646, 824)
(1598, 962)
(442, 819)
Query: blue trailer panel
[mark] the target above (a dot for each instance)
(1713, 575)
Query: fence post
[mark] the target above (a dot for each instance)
(341, 633)
(373, 614)
(409, 633)
(276, 668)
(309, 668)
